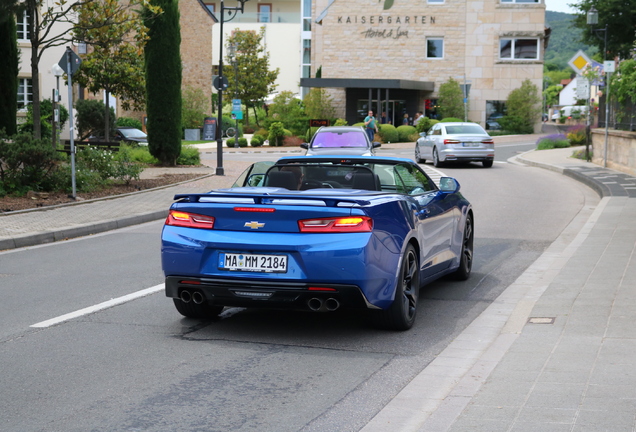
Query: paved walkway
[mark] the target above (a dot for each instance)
(555, 352)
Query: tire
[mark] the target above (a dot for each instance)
(402, 312)
(418, 157)
(198, 311)
(487, 163)
(466, 258)
(436, 161)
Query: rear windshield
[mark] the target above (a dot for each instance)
(339, 139)
(465, 129)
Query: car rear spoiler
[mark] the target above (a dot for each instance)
(267, 198)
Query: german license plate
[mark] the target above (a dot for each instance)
(470, 144)
(253, 262)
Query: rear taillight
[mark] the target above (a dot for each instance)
(451, 141)
(488, 141)
(336, 225)
(255, 209)
(189, 220)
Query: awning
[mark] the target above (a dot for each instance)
(367, 83)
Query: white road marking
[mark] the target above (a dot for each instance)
(101, 306)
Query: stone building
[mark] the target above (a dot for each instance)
(393, 56)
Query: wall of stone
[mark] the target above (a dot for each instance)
(621, 150)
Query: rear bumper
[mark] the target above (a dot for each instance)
(466, 155)
(268, 294)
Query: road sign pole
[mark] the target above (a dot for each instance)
(69, 65)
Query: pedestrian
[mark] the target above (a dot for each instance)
(370, 126)
(405, 120)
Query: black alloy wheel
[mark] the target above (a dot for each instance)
(401, 314)
(466, 258)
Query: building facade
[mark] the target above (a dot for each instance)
(392, 56)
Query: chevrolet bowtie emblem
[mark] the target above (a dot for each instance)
(254, 225)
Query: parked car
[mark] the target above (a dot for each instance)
(131, 135)
(492, 122)
(455, 142)
(361, 233)
(342, 140)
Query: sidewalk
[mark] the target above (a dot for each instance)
(557, 350)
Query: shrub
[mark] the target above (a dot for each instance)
(91, 119)
(276, 134)
(27, 164)
(424, 124)
(552, 141)
(256, 141)
(577, 135)
(46, 116)
(229, 142)
(189, 156)
(140, 154)
(388, 133)
(129, 122)
(340, 122)
(515, 124)
(194, 105)
(451, 119)
(263, 133)
(310, 134)
(292, 141)
(405, 133)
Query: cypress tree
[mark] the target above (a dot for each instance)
(163, 82)
(8, 73)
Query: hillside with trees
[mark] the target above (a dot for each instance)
(565, 41)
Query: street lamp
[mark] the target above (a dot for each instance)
(592, 19)
(231, 53)
(58, 72)
(231, 14)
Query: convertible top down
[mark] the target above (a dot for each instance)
(319, 234)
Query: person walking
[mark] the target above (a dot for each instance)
(370, 126)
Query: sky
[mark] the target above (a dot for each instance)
(560, 5)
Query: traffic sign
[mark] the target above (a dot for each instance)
(579, 61)
(609, 66)
(216, 82)
(75, 61)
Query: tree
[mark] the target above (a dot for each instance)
(318, 104)
(451, 99)
(163, 82)
(51, 24)
(8, 73)
(114, 62)
(289, 110)
(255, 80)
(524, 107)
(620, 18)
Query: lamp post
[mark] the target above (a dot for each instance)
(231, 52)
(231, 14)
(592, 19)
(58, 72)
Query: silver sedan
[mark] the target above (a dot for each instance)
(455, 142)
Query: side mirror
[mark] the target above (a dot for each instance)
(304, 145)
(448, 185)
(376, 144)
(255, 180)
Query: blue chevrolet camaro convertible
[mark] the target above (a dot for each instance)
(318, 233)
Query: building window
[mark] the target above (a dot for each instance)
(520, 1)
(25, 93)
(22, 25)
(211, 6)
(519, 49)
(434, 48)
(264, 12)
(434, 1)
(306, 15)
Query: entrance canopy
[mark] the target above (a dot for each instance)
(368, 83)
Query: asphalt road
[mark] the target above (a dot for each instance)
(141, 366)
